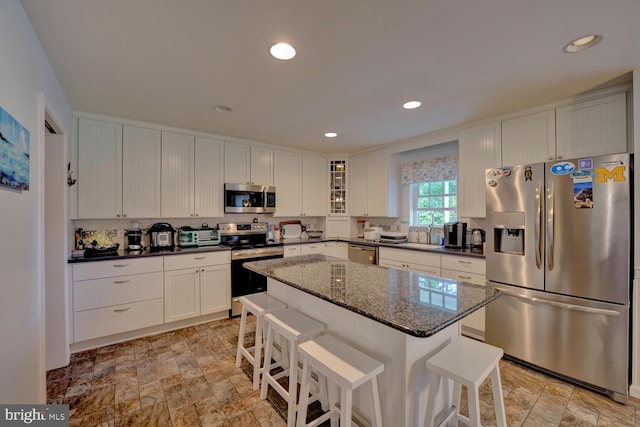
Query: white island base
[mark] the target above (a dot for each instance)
(404, 384)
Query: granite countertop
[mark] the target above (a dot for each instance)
(124, 254)
(470, 252)
(414, 303)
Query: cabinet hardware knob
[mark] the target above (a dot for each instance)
(121, 310)
(124, 215)
(120, 265)
(197, 214)
(464, 277)
(559, 157)
(464, 262)
(198, 257)
(118, 215)
(202, 269)
(119, 282)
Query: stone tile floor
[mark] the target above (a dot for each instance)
(188, 378)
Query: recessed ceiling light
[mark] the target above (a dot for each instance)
(582, 43)
(283, 51)
(222, 109)
(411, 105)
(330, 134)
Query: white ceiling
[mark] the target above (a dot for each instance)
(170, 61)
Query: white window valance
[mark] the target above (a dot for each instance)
(434, 169)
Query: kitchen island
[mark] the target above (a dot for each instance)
(399, 317)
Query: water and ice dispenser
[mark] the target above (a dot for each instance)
(508, 233)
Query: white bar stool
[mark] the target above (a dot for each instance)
(466, 362)
(296, 328)
(344, 366)
(259, 304)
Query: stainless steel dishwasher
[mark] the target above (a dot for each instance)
(363, 254)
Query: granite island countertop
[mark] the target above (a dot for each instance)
(414, 303)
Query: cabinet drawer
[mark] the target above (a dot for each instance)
(177, 262)
(96, 293)
(101, 322)
(291, 250)
(313, 248)
(398, 265)
(463, 276)
(410, 257)
(112, 268)
(466, 264)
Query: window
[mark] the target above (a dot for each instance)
(434, 202)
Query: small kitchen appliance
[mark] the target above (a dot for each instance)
(134, 240)
(192, 237)
(477, 238)
(161, 236)
(455, 234)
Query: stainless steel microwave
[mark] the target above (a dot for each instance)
(249, 198)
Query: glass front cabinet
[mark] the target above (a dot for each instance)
(337, 187)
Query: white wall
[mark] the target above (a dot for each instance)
(25, 73)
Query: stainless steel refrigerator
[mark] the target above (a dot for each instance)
(559, 248)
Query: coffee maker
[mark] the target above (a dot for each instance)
(134, 237)
(455, 234)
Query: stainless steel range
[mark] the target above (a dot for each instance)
(248, 242)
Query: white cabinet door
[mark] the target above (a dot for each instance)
(291, 250)
(177, 175)
(314, 185)
(99, 169)
(479, 148)
(529, 139)
(592, 128)
(208, 180)
(181, 294)
(237, 161)
(261, 170)
(377, 184)
(358, 171)
(288, 182)
(141, 154)
(215, 289)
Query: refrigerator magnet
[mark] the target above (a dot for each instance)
(563, 168)
(583, 191)
(528, 173)
(585, 164)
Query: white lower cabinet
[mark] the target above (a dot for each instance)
(110, 297)
(470, 270)
(402, 259)
(196, 284)
(313, 248)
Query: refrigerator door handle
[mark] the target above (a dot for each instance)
(573, 307)
(550, 220)
(536, 225)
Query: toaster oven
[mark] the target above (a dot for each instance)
(189, 237)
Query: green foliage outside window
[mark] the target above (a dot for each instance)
(436, 202)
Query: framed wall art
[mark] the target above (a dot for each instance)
(14, 153)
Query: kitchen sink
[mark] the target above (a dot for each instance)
(418, 246)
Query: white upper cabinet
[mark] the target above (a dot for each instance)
(529, 139)
(479, 149)
(99, 169)
(208, 180)
(191, 176)
(177, 175)
(592, 128)
(261, 166)
(141, 151)
(246, 164)
(588, 128)
(374, 184)
(315, 179)
(301, 184)
(288, 183)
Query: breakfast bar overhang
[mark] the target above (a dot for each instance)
(398, 317)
